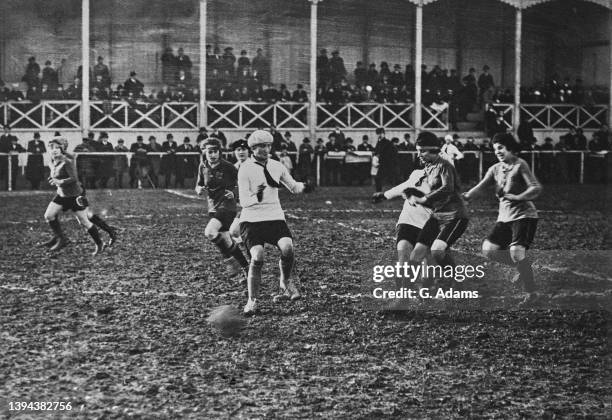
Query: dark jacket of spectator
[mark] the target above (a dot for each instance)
(133, 86)
(49, 76)
(35, 167)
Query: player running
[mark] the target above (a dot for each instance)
(70, 196)
(413, 216)
(262, 219)
(449, 219)
(218, 178)
(515, 187)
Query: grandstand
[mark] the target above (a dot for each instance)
(554, 40)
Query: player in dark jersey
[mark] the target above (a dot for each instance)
(515, 187)
(70, 196)
(449, 219)
(219, 179)
(241, 152)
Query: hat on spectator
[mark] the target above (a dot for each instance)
(60, 141)
(132, 73)
(240, 144)
(228, 49)
(120, 141)
(169, 136)
(260, 137)
(380, 130)
(287, 134)
(104, 135)
(448, 137)
(335, 52)
(37, 135)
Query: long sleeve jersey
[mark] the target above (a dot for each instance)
(417, 214)
(63, 170)
(217, 180)
(250, 176)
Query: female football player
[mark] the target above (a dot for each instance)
(219, 178)
(449, 218)
(70, 196)
(515, 187)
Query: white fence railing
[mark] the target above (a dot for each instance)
(134, 116)
(574, 161)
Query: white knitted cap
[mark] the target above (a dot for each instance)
(259, 137)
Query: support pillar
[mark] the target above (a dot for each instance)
(516, 115)
(417, 67)
(85, 63)
(203, 107)
(312, 111)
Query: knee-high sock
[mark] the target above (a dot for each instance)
(98, 221)
(95, 235)
(236, 252)
(501, 256)
(220, 242)
(286, 266)
(447, 260)
(56, 228)
(254, 278)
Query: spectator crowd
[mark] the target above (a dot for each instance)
(242, 78)
(339, 158)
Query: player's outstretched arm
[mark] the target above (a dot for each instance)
(489, 178)
(292, 185)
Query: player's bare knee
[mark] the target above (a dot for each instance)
(404, 247)
(517, 253)
(257, 254)
(50, 216)
(211, 232)
(285, 245)
(419, 252)
(489, 249)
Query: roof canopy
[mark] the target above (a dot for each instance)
(524, 4)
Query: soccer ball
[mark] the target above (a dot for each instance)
(227, 320)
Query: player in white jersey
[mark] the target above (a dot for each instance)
(262, 219)
(413, 216)
(515, 187)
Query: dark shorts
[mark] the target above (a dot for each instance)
(225, 217)
(71, 203)
(517, 232)
(405, 232)
(260, 233)
(448, 231)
